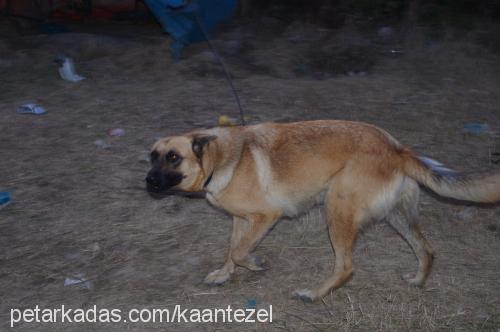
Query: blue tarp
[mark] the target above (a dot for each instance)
(180, 19)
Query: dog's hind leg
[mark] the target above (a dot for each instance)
(245, 237)
(343, 231)
(356, 195)
(344, 216)
(403, 219)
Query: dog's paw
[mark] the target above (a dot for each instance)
(412, 281)
(305, 295)
(256, 263)
(217, 277)
(251, 262)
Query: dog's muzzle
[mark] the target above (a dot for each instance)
(157, 181)
(153, 183)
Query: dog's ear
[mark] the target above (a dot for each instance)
(199, 143)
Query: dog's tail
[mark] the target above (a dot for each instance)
(479, 188)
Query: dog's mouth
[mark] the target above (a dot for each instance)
(158, 182)
(160, 185)
(158, 192)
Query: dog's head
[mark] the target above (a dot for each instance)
(178, 163)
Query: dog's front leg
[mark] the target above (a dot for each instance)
(256, 228)
(245, 237)
(221, 275)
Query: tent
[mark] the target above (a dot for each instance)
(182, 19)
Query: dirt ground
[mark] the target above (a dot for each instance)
(80, 210)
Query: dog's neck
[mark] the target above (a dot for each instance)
(207, 181)
(223, 154)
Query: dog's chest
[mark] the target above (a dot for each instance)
(212, 200)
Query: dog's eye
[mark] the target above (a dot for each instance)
(173, 158)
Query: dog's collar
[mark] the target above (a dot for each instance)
(208, 180)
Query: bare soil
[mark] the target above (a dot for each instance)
(80, 209)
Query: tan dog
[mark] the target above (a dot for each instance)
(262, 172)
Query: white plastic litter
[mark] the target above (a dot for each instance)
(67, 69)
(116, 132)
(436, 166)
(31, 109)
(102, 144)
(78, 279)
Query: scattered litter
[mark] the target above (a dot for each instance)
(4, 199)
(78, 279)
(204, 293)
(67, 69)
(476, 128)
(116, 132)
(466, 213)
(252, 303)
(436, 166)
(225, 121)
(31, 109)
(394, 51)
(102, 144)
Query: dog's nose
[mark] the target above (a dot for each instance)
(153, 181)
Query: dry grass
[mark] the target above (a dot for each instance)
(79, 209)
